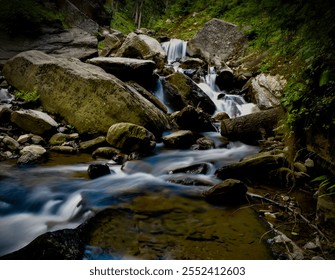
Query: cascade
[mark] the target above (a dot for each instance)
(175, 50)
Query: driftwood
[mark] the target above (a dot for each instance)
(253, 127)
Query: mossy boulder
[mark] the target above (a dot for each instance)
(130, 138)
(83, 94)
(182, 91)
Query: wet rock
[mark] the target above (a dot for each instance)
(193, 119)
(182, 91)
(144, 47)
(112, 102)
(34, 121)
(181, 139)
(24, 138)
(230, 192)
(133, 86)
(225, 78)
(204, 143)
(98, 170)
(125, 68)
(191, 63)
(66, 244)
(106, 152)
(129, 137)
(221, 116)
(201, 168)
(263, 167)
(93, 144)
(218, 37)
(266, 90)
(34, 149)
(252, 127)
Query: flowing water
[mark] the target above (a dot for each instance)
(167, 201)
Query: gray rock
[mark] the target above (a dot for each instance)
(181, 139)
(34, 121)
(92, 144)
(130, 138)
(11, 143)
(86, 96)
(64, 149)
(193, 119)
(143, 47)
(110, 44)
(58, 139)
(125, 68)
(33, 154)
(218, 41)
(266, 90)
(34, 149)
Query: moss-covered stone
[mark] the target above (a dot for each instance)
(84, 95)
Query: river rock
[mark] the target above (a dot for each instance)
(33, 154)
(252, 127)
(130, 138)
(10, 143)
(181, 139)
(182, 91)
(217, 40)
(230, 192)
(191, 63)
(64, 149)
(143, 47)
(97, 170)
(194, 119)
(92, 144)
(267, 90)
(106, 152)
(125, 68)
(58, 139)
(33, 121)
(86, 96)
(264, 167)
(204, 143)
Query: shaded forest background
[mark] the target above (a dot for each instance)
(293, 38)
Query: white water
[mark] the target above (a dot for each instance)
(175, 50)
(40, 199)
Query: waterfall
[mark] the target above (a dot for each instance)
(233, 105)
(175, 50)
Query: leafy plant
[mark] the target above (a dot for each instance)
(327, 183)
(27, 96)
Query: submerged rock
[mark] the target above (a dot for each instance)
(98, 170)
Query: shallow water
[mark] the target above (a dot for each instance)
(59, 195)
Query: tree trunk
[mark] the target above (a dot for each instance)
(253, 127)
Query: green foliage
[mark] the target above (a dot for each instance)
(27, 96)
(122, 23)
(326, 183)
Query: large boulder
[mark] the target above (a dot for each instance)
(130, 138)
(266, 90)
(125, 68)
(252, 127)
(143, 47)
(74, 42)
(182, 91)
(83, 94)
(218, 41)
